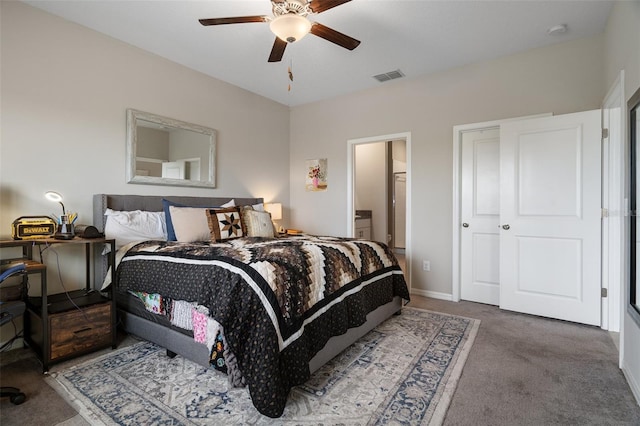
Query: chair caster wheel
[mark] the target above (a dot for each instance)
(18, 399)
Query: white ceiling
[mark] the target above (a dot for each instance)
(418, 37)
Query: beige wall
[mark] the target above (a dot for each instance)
(65, 90)
(622, 52)
(560, 79)
(622, 45)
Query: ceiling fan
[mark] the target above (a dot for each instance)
(290, 23)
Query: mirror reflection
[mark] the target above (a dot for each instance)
(634, 127)
(164, 151)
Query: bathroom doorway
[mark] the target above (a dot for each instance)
(379, 194)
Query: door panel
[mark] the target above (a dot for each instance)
(486, 248)
(550, 208)
(173, 169)
(549, 185)
(480, 209)
(562, 279)
(486, 175)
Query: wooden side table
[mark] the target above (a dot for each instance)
(65, 325)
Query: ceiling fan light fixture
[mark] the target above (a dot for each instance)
(290, 27)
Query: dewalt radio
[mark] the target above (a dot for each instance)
(33, 227)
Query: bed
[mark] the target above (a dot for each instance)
(275, 337)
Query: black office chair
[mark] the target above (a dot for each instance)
(9, 311)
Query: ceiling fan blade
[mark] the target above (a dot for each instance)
(236, 20)
(277, 50)
(334, 36)
(318, 6)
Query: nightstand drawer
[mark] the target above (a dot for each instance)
(74, 332)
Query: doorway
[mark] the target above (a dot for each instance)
(374, 164)
(380, 193)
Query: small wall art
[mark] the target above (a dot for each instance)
(316, 179)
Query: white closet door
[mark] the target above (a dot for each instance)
(480, 210)
(174, 169)
(550, 215)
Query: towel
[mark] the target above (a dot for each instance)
(181, 315)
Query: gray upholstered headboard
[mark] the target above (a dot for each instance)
(147, 203)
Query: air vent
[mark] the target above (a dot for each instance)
(391, 75)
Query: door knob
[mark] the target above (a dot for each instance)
(506, 227)
(465, 225)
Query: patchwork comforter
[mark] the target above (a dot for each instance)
(278, 300)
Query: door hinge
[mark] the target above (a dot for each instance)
(605, 213)
(603, 292)
(605, 133)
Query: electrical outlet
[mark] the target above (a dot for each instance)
(426, 265)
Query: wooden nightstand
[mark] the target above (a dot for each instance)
(65, 325)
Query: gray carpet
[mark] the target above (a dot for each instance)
(527, 370)
(522, 370)
(43, 405)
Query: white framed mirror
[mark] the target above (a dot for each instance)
(165, 151)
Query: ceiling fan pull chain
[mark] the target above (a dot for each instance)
(290, 73)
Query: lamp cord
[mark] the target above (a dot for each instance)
(66, 292)
(17, 334)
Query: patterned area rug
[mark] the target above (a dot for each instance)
(403, 372)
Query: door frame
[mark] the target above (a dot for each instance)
(351, 158)
(458, 131)
(613, 202)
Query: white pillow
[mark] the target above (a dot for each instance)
(171, 233)
(132, 226)
(191, 224)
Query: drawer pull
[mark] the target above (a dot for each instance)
(82, 330)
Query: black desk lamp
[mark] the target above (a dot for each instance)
(65, 226)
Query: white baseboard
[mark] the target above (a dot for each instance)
(633, 384)
(432, 294)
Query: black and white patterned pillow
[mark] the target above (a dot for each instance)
(225, 224)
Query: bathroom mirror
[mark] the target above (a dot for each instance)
(634, 186)
(164, 151)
